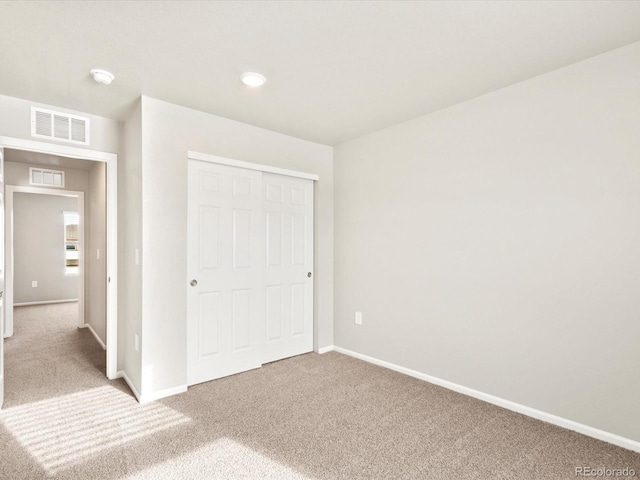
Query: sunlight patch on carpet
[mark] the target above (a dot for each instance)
(219, 460)
(64, 431)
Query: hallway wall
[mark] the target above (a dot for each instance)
(38, 249)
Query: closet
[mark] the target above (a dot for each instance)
(250, 267)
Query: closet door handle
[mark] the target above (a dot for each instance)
(309, 274)
(193, 282)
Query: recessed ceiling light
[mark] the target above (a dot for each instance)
(253, 79)
(102, 76)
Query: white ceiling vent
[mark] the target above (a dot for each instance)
(59, 126)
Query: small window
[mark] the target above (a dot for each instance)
(46, 178)
(71, 243)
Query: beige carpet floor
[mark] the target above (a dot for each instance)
(313, 416)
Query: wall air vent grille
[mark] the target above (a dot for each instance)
(46, 178)
(59, 126)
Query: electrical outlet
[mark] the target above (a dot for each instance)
(97, 254)
(34, 283)
(358, 318)
(136, 341)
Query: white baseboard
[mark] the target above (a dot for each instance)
(162, 394)
(322, 350)
(123, 375)
(45, 302)
(509, 405)
(93, 332)
(154, 396)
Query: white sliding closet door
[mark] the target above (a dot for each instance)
(288, 223)
(225, 266)
(250, 267)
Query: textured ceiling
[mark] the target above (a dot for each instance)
(336, 70)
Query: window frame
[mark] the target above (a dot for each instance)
(67, 242)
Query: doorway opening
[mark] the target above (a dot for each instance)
(45, 234)
(55, 273)
(40, 176)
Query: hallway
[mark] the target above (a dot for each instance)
(49, 356)
(61, 416)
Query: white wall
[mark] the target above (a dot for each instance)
(130, 239)
(17, 174)
(38, 250)
(96, 251)
(495, 244)
(168, 133)
(15, 121)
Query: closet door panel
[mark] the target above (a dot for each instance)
(225, 292)
(288, 216)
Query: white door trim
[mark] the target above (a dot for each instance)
(249, 166)
(111, 159)
(55, 149)
(8, 256)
